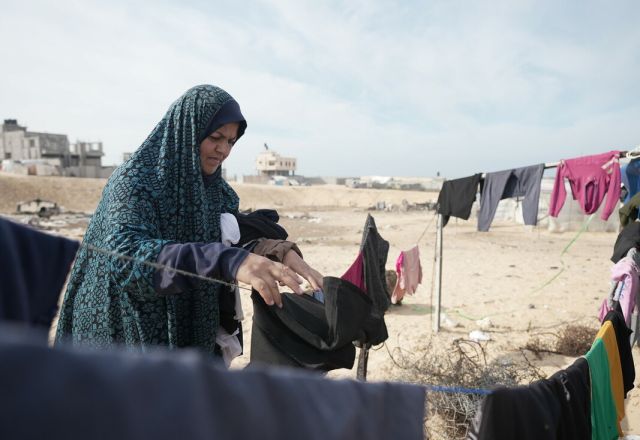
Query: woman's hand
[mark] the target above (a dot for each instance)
(299, 266)
(264, 275)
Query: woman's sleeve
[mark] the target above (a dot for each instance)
(275, 249)
(211, 260)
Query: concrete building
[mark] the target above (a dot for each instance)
(20, 146)
(269, 163)
(16, 143)
(85, 160)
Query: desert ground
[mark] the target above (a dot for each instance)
(513, 283)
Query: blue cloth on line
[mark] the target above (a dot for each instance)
(630, 174)
(180, 394)
(33, 268)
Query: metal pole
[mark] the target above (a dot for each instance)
(436, 322)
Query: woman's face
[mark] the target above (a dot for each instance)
(217, 146)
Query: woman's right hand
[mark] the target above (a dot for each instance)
(265, 275)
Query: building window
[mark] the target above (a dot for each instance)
(7, 155)
(32, 142)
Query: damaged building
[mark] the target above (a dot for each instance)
(38, 153)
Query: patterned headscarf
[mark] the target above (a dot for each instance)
(157, 197)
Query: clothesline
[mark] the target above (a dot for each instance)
(457, 196)
(630, 154)
(155, 265)
(426, 387)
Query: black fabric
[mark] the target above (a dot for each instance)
(69, 394)
(457, 196)
(523, 413)
(262, 223)
(624, 348)
(375, 250)
(629, 212)
(227, 302)
(306, 333)
(33, 268)
(575, 416)
(554, 408)
(254, 227)
(628, 238)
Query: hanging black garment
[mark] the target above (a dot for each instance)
(550, 409)
(33, 268)
(573, 390)
(629, 212)
(375, 250)
(262, 223)
(70, 394)
(624, 348)
(254, 226)
(306, 333)
(628, 238)
(457, 196)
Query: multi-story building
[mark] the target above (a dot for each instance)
(269, 163)
(20, 146)
(16, 143)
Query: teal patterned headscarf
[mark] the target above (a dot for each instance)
(155, 198)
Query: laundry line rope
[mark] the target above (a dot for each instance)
(155, 265)
(426, 387)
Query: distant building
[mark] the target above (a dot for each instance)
(21, 147)
(269, 163)
(16, 143)
(85, 160)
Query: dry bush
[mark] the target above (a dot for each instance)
(572, 340)
(463, 364)
(575, 340)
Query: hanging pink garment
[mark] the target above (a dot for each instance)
(355, 274)
(626, 270)
(590, 178)
(604, 309)
(409, 273)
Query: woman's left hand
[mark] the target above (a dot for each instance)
(299, 266)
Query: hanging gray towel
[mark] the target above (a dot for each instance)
(519, 182)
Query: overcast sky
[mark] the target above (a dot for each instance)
(359, 87)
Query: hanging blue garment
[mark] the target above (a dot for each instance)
(33, 268)
(631, 178)
(66, 393)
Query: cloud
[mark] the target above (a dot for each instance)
(364, 88)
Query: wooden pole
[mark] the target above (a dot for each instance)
(363, 361)
(436, 321)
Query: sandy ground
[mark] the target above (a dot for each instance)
(517, 277)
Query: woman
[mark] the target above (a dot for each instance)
(164, 205)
